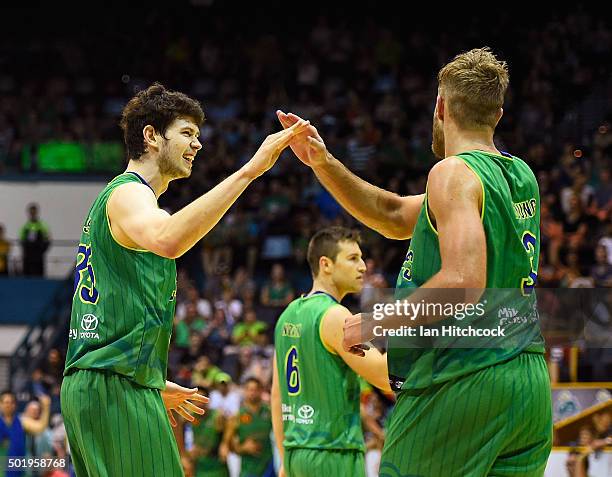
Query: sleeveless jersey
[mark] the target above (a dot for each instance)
(123, 303)
(511, 218)
(256, 426)
(319, 392)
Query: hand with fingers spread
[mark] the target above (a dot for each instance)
(179, 399)
(307, 145)
(273, 145)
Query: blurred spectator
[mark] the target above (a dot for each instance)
(39, 445)
(249, 433)
(602, 425)
(242, 284)
(602, 270)
(13, 427)
(5, 248)
(572, 276)
(204, 372)
(277, 291)
(577, 463)
(209, 451)
(231, 306)
(256, 362)
(224, 396)
(603, 190)
(35, 240)
(606, 241)
(245, 332)
(217, 334)
(202, 305)
(191, 323)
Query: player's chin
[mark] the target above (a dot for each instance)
(356, 286)
(184, 172)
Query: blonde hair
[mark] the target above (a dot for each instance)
(474, 85)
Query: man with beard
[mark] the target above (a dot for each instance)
(463, 410)
(125, 289)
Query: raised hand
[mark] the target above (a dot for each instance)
(178, 399)
(307, 145)
(273, 145)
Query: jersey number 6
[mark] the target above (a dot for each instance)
(292, 372)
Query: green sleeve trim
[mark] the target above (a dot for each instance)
(481, 185)
(325, 345)
(141, 250)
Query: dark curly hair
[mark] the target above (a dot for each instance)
(158, 107)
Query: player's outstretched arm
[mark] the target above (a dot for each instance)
(386, 212)
(455, 201)
(137, 222)
(371, 365)
(277, 418)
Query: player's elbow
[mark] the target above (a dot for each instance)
(467, 280)
(166, 248)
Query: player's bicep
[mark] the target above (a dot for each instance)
(372, 367)
(455, 198)
(134, 215)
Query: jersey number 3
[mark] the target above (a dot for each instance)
(84, 277)
(292, 371)
(528, 284)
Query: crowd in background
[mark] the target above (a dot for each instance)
(370, 90)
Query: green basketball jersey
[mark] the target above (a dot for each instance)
(511, 218)
(208, 436)
(123, 303)
(319, 392)
(256, 426)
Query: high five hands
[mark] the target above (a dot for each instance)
(306, 144)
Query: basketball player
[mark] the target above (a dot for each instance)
(315, 387)
(115, 395)
(459, 412)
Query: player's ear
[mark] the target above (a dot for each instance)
(149, 136)
(440, 108)
(500, 113)
(325, 264)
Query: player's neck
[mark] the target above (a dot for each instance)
(457, 141)
(320, 284)
(148, 169)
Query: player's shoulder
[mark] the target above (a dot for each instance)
(451, 173)
(336, 312)
(448, 166)
(130, 196)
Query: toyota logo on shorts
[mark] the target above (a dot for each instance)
(89, 322)
(305, 411)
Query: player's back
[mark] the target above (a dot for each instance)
(123, 303)
(319, 392)
(510, 218)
